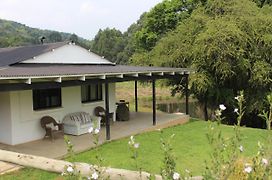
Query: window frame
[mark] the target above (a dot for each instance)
(38, 94)
(98, 95)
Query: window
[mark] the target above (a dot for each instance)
(90, 93)
(46, 98)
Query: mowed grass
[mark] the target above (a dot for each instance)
(190, 148)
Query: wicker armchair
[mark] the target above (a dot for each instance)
(47, 122)
(101, 112)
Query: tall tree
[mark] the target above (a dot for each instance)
(162, 18)
(228, 43)
(108, 43)
(55, 37)
(74, 38)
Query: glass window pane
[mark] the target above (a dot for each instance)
(84, 94)
(99, 92)
(46, 98)
(93, 92)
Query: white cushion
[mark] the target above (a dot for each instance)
(56, 128)
(51, 125)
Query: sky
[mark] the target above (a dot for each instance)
(82, 17)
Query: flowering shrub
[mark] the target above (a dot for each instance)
(227, 161)
(267, 116)
(133, 147)
(168, 170)
(99, 170)
(70, 171)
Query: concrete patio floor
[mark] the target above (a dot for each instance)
(139, 122)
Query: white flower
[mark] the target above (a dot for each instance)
(236, 98)
(90, 130)
(222, 107)
(95, 175)
(218, 113)
(264, 161)
(68, 142)
(176, 176)
(236, 110)
(248, 169)
(63, 174)
(70, 169)
(96, 131)
(131, 142)
(136, 145)
(241, 148)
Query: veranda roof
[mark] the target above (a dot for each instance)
(42, 71)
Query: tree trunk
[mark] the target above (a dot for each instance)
(205, 110)
(58, 166)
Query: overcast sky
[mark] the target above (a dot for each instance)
(83, 17)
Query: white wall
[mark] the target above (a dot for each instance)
(26, 122)
(5, 116)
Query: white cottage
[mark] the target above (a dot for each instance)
(60, 78)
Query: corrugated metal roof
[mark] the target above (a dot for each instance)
(21, 70)
(9, 56)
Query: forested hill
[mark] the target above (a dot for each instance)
(16, 34)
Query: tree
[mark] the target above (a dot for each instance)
(74, 38)
(109, 43)
(228, 44)
(162, 18)
(55, 37)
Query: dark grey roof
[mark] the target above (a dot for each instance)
(13, 55)
(21, 70)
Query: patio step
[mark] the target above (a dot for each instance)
(8, 167)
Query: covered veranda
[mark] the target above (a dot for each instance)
(21, 77)
(138, 123)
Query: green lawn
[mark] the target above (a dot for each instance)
(190, 148)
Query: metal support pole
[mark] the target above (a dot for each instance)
(187, 93)
(136, 96)
(107, 111)
(154, 101)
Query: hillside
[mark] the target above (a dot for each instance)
(17, 34)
